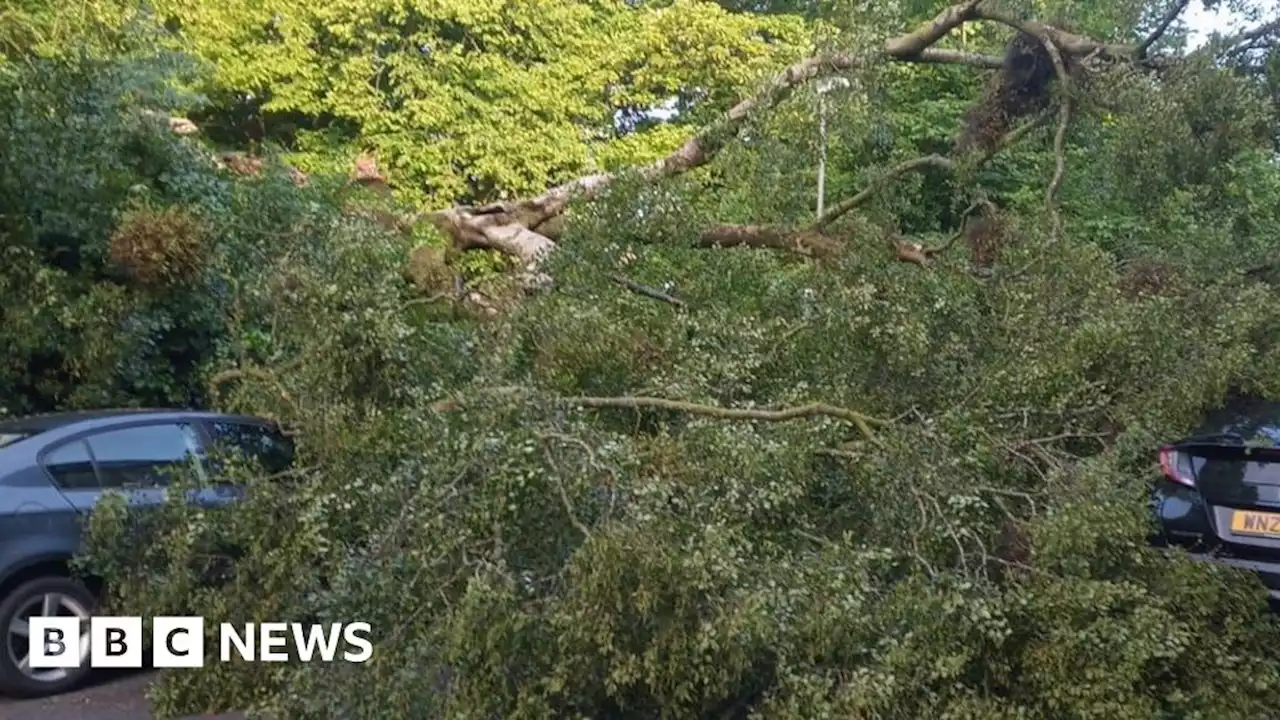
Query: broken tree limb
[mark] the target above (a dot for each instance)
(810, 243)
(509, 227)
(914, 43)
(864, 423)
(939, 56)
(815, 242)
(914, 252)
(1050, 40)
(876, 185)
(1161, 28)
(646, 291)
(529, 228)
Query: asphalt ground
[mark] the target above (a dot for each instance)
(118, 695)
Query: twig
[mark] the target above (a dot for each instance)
(895, 172)
(592, 461)
(564, 494)
(864, 423)
(939, 161)
(915, 536)
(646, 291)
(226, 376)
(1061, 436)
(1010, 493)
(816, 539)
(427, 300)
(950, 528)
(982, 547)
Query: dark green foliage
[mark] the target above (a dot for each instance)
(83, 141)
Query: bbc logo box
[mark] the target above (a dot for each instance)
(178, 642)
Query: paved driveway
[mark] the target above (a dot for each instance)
(112, 696)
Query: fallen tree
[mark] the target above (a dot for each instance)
(524, 228)
(715, 484)
(1038, 58)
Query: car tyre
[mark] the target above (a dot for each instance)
(43, 596)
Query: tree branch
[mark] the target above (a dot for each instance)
(939, 56)
(876, 185)
(815, 242)
(920, 163)
(864, 423)
(811, 243)
(525, 229)
(1231, 42)
(923, 256)
(1069, 43)
(912, 44)
(646, 291)
(1161, 28)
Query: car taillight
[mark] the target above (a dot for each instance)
(1177, 466)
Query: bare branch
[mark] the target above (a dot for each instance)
(1059, 140)
(915, 164)
(864, 423)
(1069, 43)
(810, 243)
(939, 56)
(699, 149)
(1161, 28)
(870, 191)
(646, 291)
(560, 488)
(1230, 43)
(914, 43)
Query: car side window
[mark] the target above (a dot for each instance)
(71, 467)
(260, 443)
(145, 455)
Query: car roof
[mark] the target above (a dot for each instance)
(35, 424)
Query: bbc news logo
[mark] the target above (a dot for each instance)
(178, 642)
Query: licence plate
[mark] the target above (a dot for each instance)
(1255, 523)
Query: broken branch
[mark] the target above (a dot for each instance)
(876, 185)
(864, 423)
(811, 243)
(646, 291)
(1161, 28)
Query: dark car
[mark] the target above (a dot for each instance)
(1219, 497)
(54, 468)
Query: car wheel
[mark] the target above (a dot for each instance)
(44, 596)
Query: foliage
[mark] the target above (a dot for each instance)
(470, 100)
(982, 554)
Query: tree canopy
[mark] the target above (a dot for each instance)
(596, 416)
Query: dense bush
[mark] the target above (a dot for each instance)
(525, 545)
